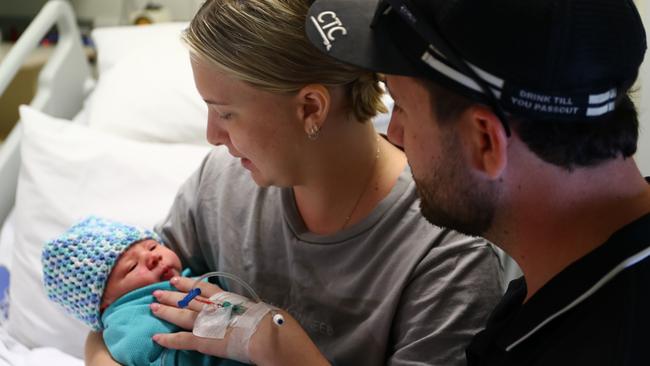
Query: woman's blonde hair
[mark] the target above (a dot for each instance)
(263, 43)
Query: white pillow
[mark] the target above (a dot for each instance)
(114, 43)
(146, 89)
(68, 172)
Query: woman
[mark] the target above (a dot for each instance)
(328, 228)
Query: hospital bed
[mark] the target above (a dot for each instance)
(117, 146)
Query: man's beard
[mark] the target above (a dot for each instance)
(451, 197)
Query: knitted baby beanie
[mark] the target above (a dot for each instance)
(76, 265)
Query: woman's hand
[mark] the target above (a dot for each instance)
(184, 318)
(270, 344)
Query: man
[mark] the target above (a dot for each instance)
(516, 120)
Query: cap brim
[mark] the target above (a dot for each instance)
(341, 29)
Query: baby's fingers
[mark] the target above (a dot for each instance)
(172, 298)
(185, 284)
(181, 317)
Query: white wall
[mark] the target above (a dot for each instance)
(179, 9)
(643, 99)
(102, 13)
(115, 12)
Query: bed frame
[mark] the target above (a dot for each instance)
(63, 83)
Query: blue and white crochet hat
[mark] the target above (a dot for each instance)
(76, 265)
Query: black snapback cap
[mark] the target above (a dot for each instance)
(540, 59)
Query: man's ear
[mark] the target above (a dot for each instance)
(487, 140)
(314, 102)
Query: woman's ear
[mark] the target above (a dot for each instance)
(314, 102)
(487, 141)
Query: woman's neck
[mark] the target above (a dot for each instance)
(348, 181)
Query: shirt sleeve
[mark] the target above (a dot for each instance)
(448, 300)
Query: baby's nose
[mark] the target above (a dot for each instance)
(153, 260)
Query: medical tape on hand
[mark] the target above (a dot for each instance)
(213, 320)
(243, 329)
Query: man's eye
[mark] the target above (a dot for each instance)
(225, 116)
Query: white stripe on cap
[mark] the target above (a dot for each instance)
(493, 80)
(628, 262)
(459, 77)
(603, 97)
(599, 111)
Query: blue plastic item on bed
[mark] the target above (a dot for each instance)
(4, 292)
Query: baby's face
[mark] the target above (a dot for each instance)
(140, 265)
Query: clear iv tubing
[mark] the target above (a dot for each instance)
(231, 277)
(195, 291)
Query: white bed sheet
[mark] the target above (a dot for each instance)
(13, 353)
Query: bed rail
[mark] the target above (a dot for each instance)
(63, 83)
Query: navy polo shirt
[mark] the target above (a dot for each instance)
(595, 312)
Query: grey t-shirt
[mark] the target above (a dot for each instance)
(392, 289)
